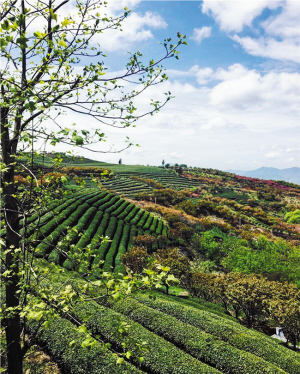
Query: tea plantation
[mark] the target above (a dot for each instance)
(181, 336)
(199, 211)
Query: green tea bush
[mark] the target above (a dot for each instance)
(114, 207)
(143, 219)
(154, 224)
(119, 267)
(111, 202)
(136, 219)
(126, 212)
(121, 209)
(132, 214)
(90, 231)
(203, 346)
(229, 331)
(148, 222)
(43, 248)
(110, 256)
(159, 227)
(64, 343)
(162, 357)
(102, 201)
(101, 253)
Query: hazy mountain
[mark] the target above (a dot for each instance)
(291, 175)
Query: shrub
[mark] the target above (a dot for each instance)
(172, 258)
(135, 259)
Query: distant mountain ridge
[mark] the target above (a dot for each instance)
(291, 175)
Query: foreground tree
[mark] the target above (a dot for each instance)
(42, 75)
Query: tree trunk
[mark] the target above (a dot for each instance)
(13, 328)
(11, 216)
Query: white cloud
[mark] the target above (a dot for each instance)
(289, 149)
(288, 49)
(272, 154)
(234, 15)
(200, 34)
(280, 40)
(286, 23)
(136, 29)
(248, 89)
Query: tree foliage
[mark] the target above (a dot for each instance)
(52, 62)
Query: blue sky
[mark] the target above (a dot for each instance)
(236, 85)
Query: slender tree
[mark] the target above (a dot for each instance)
(51, 62)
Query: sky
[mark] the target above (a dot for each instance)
(236, 86)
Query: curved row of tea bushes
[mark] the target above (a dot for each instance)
(136, 219)
(46, 229)
(110, 231)
(57, 206)
(53, 205)
(148, 223)
(111, 202)
(71, 236)
(110, 256)
(159, 227)
(43, 248)
(127, 236)
(119, 267)
(42, 219)
(162, 356)
(102, 201)
(96, 239)
(121, 208)
(126, 212)
(201, 305)
(97, 197)
(86, 238)
(154, 224)
(165, 231)
(63, 342)
(114, 207)
(203, 346)
(143, 219)
(229, 331)
(132, 214)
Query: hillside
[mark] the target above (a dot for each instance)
(202, 224)
(291, 175)
(181, 336)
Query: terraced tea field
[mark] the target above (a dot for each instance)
(125, 185)
(84, 218)
(181, 337)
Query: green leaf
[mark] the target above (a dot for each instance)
(82, 329)
(77, 139)
(120, 360)
(128, 355)
(72, 343)
(5, 25)
(52, 14)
